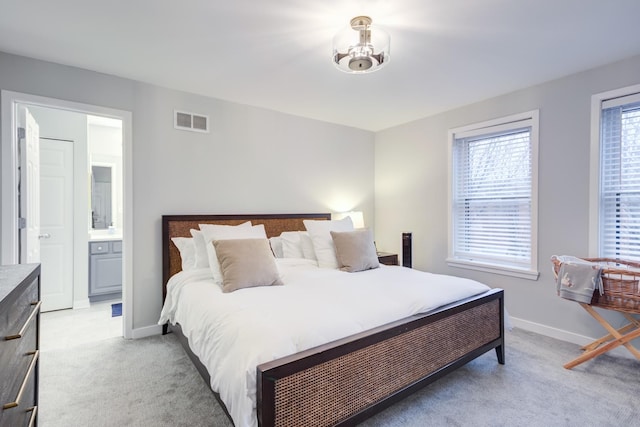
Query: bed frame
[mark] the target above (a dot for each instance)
(346, 381)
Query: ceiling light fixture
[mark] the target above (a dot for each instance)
(354, 48)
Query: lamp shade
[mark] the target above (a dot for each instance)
(356, 217)
(361, 47)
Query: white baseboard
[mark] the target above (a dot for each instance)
(147, 331)
(82, 303)
(551, 332)
(563, 335)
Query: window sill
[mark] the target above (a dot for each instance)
(495, 269)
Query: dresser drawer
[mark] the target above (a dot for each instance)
(22, 414)
(116, 246)
(15, 358)
(99, 247)
(18, 367)
(15, 314)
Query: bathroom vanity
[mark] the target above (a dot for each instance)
(105, 268)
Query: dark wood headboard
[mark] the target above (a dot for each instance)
(179, 226)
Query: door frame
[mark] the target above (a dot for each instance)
(9, 170)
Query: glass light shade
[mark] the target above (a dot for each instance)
(361, 47)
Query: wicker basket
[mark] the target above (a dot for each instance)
(621, 283)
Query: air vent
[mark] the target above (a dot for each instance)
(190, 121)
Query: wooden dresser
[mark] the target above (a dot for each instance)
(19, 344)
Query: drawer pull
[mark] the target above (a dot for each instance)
(24, 327)
(32, 418)
(24, 382)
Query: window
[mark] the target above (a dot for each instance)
(619, 178)
(493, 196)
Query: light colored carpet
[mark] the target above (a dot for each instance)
(117, 382)
(151, 382)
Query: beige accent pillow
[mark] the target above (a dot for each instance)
(246, 263)
(211, 232)
(355, 250)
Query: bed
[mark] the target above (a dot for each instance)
(346, 380)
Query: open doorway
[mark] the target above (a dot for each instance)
(112, 243)
(76, 148)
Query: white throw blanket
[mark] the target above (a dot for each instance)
(235, 332)
(578, 279)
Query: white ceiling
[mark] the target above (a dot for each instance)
(276, 53)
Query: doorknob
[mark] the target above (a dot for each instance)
(44, 236)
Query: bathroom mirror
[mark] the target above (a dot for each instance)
(101, 212)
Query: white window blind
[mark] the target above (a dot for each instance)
(492, 196)
(620, 179)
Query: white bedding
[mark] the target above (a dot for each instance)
(234, 332)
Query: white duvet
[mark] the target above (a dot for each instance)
(232, 333)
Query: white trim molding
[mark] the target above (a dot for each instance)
(594, 162)
(528, 118)
(146, 331)
(9, 213)
(562, 335)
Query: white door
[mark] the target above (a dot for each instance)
(56, 223)
(29, 191)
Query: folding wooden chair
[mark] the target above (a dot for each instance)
(615, 337)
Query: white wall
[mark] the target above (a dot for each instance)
(253, 161)
(411, 190)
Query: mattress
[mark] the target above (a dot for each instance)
(232, 333)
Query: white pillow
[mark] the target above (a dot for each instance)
(291, 244)
(213, 232)
(276, 246)
(320, 233)
(187, 250)
(307, 246)
(202, 261)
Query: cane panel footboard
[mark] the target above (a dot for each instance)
(349, 380)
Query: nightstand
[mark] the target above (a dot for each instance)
(387, 258)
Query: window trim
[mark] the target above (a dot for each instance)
(597, 101)
(503, 123)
